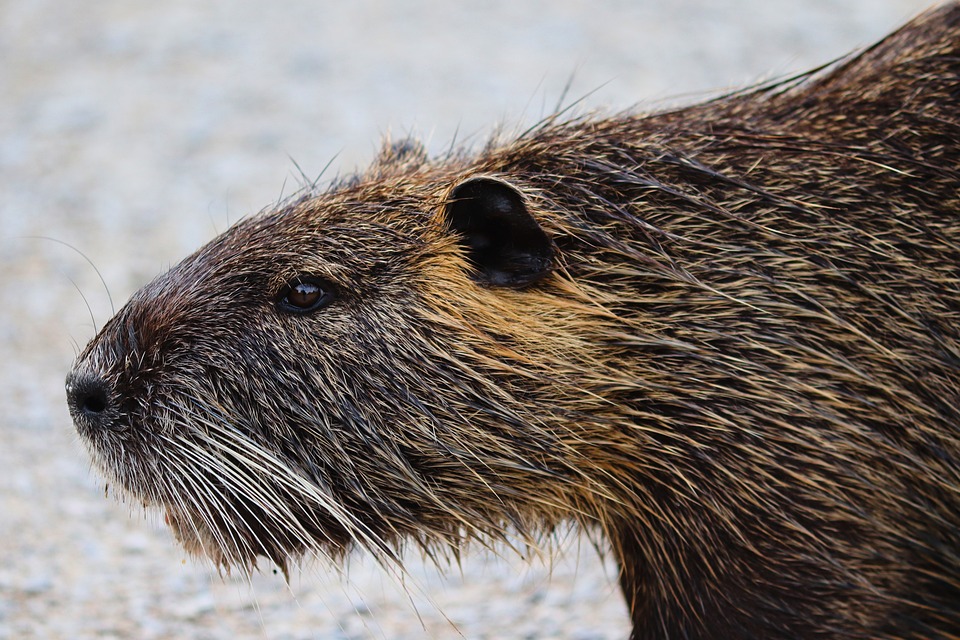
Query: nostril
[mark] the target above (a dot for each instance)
(93, 401)
(87, 396)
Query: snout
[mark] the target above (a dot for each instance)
(91, 401)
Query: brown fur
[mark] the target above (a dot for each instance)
(741, 366)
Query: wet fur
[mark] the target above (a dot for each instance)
(743, 369)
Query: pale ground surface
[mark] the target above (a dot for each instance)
(134, 131)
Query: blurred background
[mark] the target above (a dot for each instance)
(132, 132)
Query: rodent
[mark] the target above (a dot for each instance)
(726, 337)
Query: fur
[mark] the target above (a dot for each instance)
(742, 368)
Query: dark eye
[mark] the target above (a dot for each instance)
(304, 294)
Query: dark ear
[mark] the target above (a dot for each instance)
(504, 242)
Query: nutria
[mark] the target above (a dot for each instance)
(725, 338)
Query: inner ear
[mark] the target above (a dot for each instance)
(504, 242)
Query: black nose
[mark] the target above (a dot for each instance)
(88, 397)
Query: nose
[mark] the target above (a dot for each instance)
(88, 397)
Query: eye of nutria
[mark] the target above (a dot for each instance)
(304, 294)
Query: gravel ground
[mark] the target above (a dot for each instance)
(132, 132)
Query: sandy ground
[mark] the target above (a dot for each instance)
(132, 132)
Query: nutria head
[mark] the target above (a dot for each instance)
(328, 373)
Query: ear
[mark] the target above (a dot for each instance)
(504, 242)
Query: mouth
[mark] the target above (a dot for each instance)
(217, 531)
(228, 548)
(226, 498)
(198, 540)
